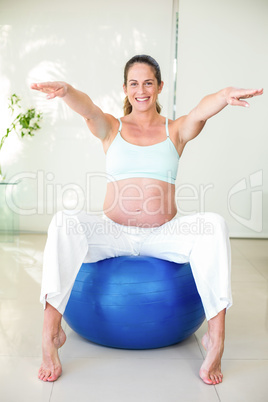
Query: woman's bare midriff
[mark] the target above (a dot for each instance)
(140, 202)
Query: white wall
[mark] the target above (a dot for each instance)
(224, 43)
(221, 43)
(86, 44)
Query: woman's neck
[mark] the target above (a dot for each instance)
(144, 118)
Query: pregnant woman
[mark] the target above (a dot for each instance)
(140, 217)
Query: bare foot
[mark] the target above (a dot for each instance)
(210, 371)
(50, 369)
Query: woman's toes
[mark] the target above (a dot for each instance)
(212, 378)
(205, 377)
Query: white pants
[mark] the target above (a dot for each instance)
(201, 239)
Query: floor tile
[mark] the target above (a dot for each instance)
(251, 248)
(95, 373)
(234, 250)
(244, 381)
(21, 270)
(132, 380)
(244, 271)
(246, 322)
(261, 265)
(20, 328)
(19, 381)
(76, 346)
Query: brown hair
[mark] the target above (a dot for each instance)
(145, 59)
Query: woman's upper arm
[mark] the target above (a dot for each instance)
(102, 125)
(188, 127)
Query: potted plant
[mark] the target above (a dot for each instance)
(25, 123)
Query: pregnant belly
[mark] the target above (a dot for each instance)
(140, 202)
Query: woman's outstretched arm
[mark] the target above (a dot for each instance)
(99, 123)
(190, 126)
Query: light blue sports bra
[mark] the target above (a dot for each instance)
(158, 161)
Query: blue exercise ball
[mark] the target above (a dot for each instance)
(134, 303)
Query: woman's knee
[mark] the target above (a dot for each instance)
(76, 223)
(64, 219)
(216, 221)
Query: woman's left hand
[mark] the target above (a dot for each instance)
(234, 95)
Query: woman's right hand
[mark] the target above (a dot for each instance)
(52, 89)
(100, 124)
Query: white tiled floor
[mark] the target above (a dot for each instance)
(98, 374)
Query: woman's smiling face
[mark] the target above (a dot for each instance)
(142, 87)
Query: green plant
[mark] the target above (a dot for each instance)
(25, 123)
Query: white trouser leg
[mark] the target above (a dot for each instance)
(210, 260)
(74, 238)
(63, 256)
(201, 239)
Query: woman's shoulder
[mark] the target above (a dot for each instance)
(176, 122)
(176, 125)
(174, 128)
